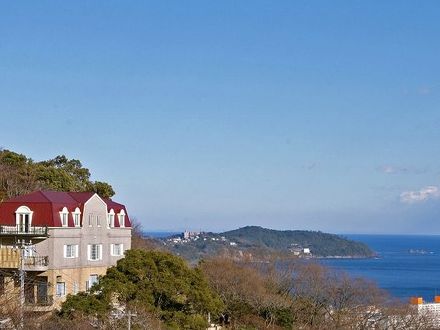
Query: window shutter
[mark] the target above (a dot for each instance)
(65, 251)
(100, 251)
(76, 251)
(88, 251)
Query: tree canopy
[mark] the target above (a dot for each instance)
(154, 281)
(20, 175)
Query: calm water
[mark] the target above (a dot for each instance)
(398, 271)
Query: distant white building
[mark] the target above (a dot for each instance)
(430, 309)
(191, 234)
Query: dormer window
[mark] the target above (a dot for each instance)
(121, 219)
(64, 215)
(111, 219)
(76, 217)
(23, 219)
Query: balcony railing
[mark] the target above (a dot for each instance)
(43, 303)
(10, 258)
(23, 231)
(43, 300)
(36, 263)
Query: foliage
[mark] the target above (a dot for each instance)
(320, 244)
(256, 243)
(83, 304)
(20, 175)
(156, 281)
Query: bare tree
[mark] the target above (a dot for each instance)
(138, 241)
(248, 294)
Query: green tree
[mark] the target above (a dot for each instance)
(103, 189)
(20, 175)
(156, 281)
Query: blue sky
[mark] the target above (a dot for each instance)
(211, 115)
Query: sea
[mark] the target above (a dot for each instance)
(406, 265)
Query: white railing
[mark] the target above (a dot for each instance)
(23, 230)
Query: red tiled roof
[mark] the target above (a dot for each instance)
(46, 206)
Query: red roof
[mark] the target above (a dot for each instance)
(46, 206)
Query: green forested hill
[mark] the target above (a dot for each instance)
(261, 243)
(320, 244)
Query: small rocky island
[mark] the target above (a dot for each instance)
(257, 243)
(419, 251)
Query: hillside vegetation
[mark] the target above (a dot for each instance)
(257, 243)
(320, 244)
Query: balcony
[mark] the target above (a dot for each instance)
(36, 263)
(10, 259)
(39, 303)
(34, 232)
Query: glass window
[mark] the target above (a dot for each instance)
(90, 219)
(95, 252)
(29, 250)
(61, 289)
(111, 219)
(121, 218)
(76, 219)
(98, 221)
(23, 218)
(64, 219)
(117, 249)
(70, 251)
(93, 278)
(75, 288)
(64, 214)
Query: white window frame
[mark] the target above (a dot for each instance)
(73, 251)
(76, 217)
(62, 286)
(98, 220)
(90, 219)
(29, 250)
(64, 216)
(121, 249)
(93, 278)
(98, 252)
(121, 218)
(21, 212)
(111, 219)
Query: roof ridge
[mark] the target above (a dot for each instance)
(44, 195)
(74, 195)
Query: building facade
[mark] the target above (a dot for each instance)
(64, 241)
(430, 310)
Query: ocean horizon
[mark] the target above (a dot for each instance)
(406, 265)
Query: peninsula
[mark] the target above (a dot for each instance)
(255, 242)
